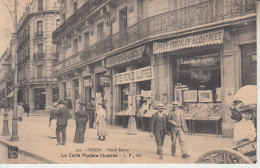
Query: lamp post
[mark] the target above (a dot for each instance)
(5, 131)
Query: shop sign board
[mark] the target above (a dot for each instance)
(104, 81)
(88, 82)
(137, 75)
(100, 69)
(209, 38)
(126, 57)
(248, 150)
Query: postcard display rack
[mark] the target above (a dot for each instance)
(201, 113)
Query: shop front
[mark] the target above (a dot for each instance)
(194, 72)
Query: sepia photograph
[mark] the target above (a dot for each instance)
(128, 82)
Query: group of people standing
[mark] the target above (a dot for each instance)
(83, 114)
(174, 123)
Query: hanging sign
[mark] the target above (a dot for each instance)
(88, 82)
(125, 57)
(137, 75)
(104, 81)
(209, 38)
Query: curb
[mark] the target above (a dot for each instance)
(29, 154)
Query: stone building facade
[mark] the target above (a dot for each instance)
(36, 54)
(128, 51)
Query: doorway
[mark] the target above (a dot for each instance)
(40, 98)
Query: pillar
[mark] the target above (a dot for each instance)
(31, 99)
(49, 95)
(229, 79)
(115, 97)
(160, 77)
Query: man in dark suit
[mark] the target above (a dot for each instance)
(159, 128)
(178, 127)
(91, 112)
(63, 115)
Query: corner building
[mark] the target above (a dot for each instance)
(197, 52)
(36, 54)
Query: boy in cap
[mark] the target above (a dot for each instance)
(159, 128)
(177, 129)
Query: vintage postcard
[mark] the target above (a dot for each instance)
(128, 82)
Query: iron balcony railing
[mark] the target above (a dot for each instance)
(196, 15)
(80, 14)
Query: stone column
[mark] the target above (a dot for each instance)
(161, 76)
(229, 78)
(49, 95)
(115, 97)
(61, 91)
(31, 99)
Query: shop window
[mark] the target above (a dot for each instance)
(76, 88)
(64, 90)
(199, 73)
(249, 65)
(124, 89)
(123, 19)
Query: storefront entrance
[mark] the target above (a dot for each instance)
(40, 98)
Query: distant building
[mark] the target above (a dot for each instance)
(128, 51)
(36, 54)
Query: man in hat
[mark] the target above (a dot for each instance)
(63, 115)
(159, 128)
(91, 112)
(177, 129)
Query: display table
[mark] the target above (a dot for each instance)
(203, 121)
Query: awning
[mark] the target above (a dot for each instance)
(11, 94)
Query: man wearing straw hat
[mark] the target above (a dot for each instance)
(177, 128)
(159, 128)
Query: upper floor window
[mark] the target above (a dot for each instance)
(75, 46)
(86, 40)
(57, 23)
(63, 17)
(100, 31)
(123, 19)
(40, 71)
(40, 5)
(75, 6)
(39, 29)
(140, 10)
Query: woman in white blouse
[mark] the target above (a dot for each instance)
(101, 122)
(244, 130)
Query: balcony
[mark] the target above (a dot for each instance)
(38, 34)
(80, 14)
(38, 80)
(196, 15)
(38, 56)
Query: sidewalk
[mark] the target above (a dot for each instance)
(119, 147)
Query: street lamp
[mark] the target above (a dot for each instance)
(14, 136)
(5, 131)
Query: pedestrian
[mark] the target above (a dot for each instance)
(101, 122)
(20, 111)
(159, 128)
(91, 112)
(27, 110)
(81, 122)
(244, 130)
(52, 120)
(178, 127)
(77, 103)
(63, 115)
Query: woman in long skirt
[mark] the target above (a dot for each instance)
(81, 122)
(101, 122)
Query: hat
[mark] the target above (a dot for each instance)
(246, 109)
(61, 102)
(55, 104)
(160, 106)
(175, 103)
